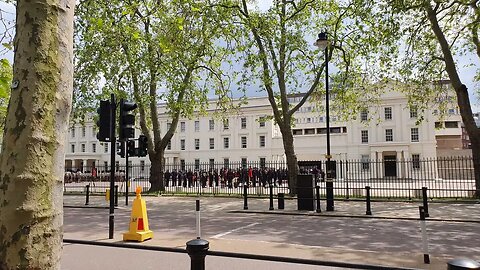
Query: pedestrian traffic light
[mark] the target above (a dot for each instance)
(104, 120)
(121, 149)
(127, 120)
(131, 148)
(142, 145)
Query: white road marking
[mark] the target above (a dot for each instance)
(217, 236)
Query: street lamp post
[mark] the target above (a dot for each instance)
(322, 43)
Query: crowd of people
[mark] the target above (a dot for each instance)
(224, 177)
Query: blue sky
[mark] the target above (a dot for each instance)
(467, 72)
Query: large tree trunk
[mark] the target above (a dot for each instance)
(472, 130)
(156, 172)
(32, 159)
(292, 164)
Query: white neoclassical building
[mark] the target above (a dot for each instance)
(385, 131)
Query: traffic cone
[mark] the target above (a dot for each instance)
(138, 229)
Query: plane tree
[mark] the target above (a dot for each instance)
(437, 38)
(156, 52)
(276, 49)
(32, 156)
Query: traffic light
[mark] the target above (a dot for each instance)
(142, 145)
(121, 149)
(104, 120)
(127, 120)
(131, 148)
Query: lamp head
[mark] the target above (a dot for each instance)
(322, 41)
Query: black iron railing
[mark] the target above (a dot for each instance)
(444, 178)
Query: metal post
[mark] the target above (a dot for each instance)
(197, 212)
(369, 210)
(87, 195)
(271, 197)
(329, 182)
(116, 195)
(197, 250)
(245, 202)
(425, 201)
(426, 256)
(127, 176)
(317, 189)
(111, 223)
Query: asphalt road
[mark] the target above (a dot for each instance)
(176, 217)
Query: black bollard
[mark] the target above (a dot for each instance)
(116, 195)
(317, 189)
(197, 250)
(463, 264)
(369, 210)
(87, 195)
(245, 194)
(271, 197)
(425, 201)
(281, 200)
(426, 256)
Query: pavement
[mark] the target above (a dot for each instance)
(390, 237)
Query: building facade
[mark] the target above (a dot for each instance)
(387, 131)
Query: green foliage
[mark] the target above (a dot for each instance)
(152, 51)
(5, 82)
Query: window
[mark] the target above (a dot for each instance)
(243, 123)
(225, 124)
(262, 141)
(169, 125)
(142, 165)
(226, 143)
(389, 135)
(388, 113)
(244, 142)
(451, 111)
(244, 163)
(169, 145)
(414, 134)
(212, 143)
(416, 161)
(297, 132)
(105, 147)
(364, 136)
(226, 162)
(438, 124)
(309, 120)
(83, 148)
(451, 124)
(262, 162)
(182, 126)
(94, 147)
(182, 144)
(309, 131)
(261, 121)
(197, 144)
(72, 131)
(413, 112)
(72, 148)
(363, 115)
(197, 164)
(365, 162)
(197, 126)
(83, 132)
(335, 130)
(211, 124)
(94, 131)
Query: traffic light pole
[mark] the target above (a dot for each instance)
(112, 165)
(127, 180)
